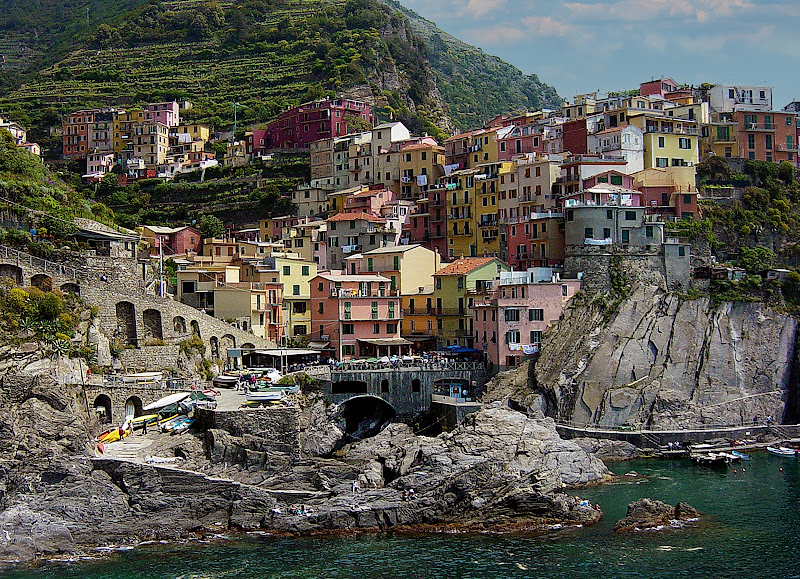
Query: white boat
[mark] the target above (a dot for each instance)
(783, 451)
(266, 395)
(143, 378)
(166, 401)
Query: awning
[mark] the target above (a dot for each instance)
(387, 342)
(286, 352)
(318, 345)
(419, 338)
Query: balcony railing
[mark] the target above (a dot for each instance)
(346, 293)
(759, 127)
(451, 311)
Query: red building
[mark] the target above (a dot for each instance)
(75, 133)
(575, 133)
(300, 126)
(256, 142)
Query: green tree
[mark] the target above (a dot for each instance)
(211, 226)
(756, 259)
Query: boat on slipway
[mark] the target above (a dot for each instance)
(714, 458)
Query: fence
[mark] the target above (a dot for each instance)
(8, 254)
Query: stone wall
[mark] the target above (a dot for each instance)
(119, 395)
(653, 267)
(150, 358)
(276, 429)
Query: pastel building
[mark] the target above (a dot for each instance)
(298, 127)
(510, 320)
(358, 315)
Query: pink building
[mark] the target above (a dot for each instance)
(358, 314)
(166, 113)
(300, 126)
(175, 240)
(520, 141)
(510, 321)
(256, 142)
(370, 201)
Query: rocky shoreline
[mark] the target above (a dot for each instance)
(500, 471)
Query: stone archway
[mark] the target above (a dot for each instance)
(365, 416)
(153, 330)
(43, 281)
(102, 408)
(12, 272)
(214, 343)
(226, 342)
(133, 407)
(179, 325)
(196, 328)
(71, 288)
(248, 346)
(126, 322)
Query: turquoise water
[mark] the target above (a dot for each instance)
(752, 529)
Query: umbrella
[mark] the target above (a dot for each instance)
(453, 347)
(462, 350)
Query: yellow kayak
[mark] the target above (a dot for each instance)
(113, 435)
(140, 420)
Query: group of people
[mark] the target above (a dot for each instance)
(674, 445)
(409, 495)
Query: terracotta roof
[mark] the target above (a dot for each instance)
(417, 146)
(465, 265)
(355, 217)
(461, 136)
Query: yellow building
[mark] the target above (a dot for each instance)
(455, 288)
(486, 206)
(196, 131)
(421, 164)
(123, 127)
(337, 200)
(418, 325)
(720, 138)
(295, 276)
(668, 141)
(461, 229)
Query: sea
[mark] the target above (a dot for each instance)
(750, 529)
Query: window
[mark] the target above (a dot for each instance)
(751, 141)
(415, 385)
(609, 214)
(684, 143)
(347, 309)
(376, 328)
(768, 141)
(287, 270)
(588, 233)
(512, 315)
(626, 236)
(731, 94)
(391, 310)
(321, 308)
(687, 199)
(662, 142)
(460, 282)
(348, 329)
(616, 180)
(391, 328)
(349, 349)
(630, 216)
(648, 231)
(512, 337)
(570, 215)
(333, 223)
(438, 283)
(536, 337)
(188, 287)
(374, 310)
(662, 161)
(535, 315)
(788, 121)
(369, 264)
(396, 262)
(299, 330)
(681, 251)
(305, 270)
(606, 232)
(295, 290)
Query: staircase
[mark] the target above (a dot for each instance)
(650, 439)
(781, 433)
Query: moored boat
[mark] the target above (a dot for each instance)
(783, 451)
(267, 395)
(741, 455)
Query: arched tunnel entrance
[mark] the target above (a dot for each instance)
(364, 417)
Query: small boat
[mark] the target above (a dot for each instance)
(714, 458)
(167, 401)
(783, 451)
(741, 455)
(113, 434)
(267, 395)
(182, 425)
(225, 381)
(166, 424)
(139, 421)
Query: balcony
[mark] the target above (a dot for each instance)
(418, 311)
(672, 130)
(786, 148)
(760, 128)
(347, 293)
(450, 312)
(491, 222)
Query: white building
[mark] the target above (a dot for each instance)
(625, 141)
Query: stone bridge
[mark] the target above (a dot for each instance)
(126, 312)
(408, 390)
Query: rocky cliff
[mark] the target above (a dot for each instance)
(660, 360)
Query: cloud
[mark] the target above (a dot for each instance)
(649, 10)
(545, 26)
(479, 8)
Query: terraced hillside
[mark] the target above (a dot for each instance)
(264, 54)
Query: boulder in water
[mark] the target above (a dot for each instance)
(649, 514)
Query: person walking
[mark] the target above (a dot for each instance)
(144, 427)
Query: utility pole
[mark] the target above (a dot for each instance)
(235, 104)
(160, 266)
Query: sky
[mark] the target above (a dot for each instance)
(614, 45)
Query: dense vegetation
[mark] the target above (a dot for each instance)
(232, 195)
(264, 54)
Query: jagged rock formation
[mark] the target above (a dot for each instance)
(649, 514)
(498, 469)
(661, 360)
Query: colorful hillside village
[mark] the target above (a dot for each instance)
(401, 244)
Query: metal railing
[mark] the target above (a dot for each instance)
(638, 429)
(426, 365)
(8, 254)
